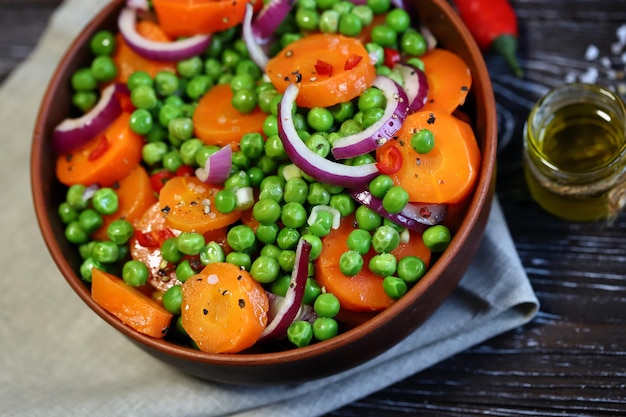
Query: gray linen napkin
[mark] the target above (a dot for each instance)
(57, 358)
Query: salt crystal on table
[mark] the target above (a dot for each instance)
(605, 61)
(570, 77)
(616, 48)
(590, 76)
(621, 34)
(592, 53)
(623, 58)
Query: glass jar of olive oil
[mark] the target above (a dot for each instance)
(575, 152)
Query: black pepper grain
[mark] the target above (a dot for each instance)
(242, 303)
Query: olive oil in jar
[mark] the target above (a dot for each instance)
(575, 153)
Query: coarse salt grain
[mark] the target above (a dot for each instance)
(592, 53)
(590, 76)
(621, 34)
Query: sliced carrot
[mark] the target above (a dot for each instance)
(224, 309)
(217, 122)
(145, 246)
(135, 196)
(363, 292)
(188, 18)
(446, 174)
(449, 79)
(91, 164)
(128, 61)
(188, 205)
(130, 305)
(317, 64)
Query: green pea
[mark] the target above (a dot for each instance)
(141, 121)
(287, 238)
(343, 7)
(75, 197)
(379, 6)
(394, 287)
(307, 19)
(350, 263)
(376, 53)
(241, 259)
(385, 239)
(190, 67)
(395, 199)
(169, 112)
(172, 160)
(198, 85)
(271, 250)
(296, 190)
(212, 252)
(372, 116)
(326, 4)
(181, 128)
(67, 213)
(244, 100)
(255, 176)
(384, 36)
(411, 269)
(300, 333)
(83, 80)
(188, 150)
(367, 219)
(349, 24)
(120, 231)
(380, 185)
(230, 58)
(364, 13)
(86, 268)
(413, 43)
(272, 187)
(423, 141)
(138, 78)
(190, 243)
(75, 234)
(252, 145)
(320, 119)
(152, 153)
(170, 251)
(383, 264)
(280, 285)
(105, 252)
(329, 21)
(267, 233)
(156, 134)
(398, 19)
(103, 68)
(84, 100)
(316, 245)
(144, 97)
(325, 328)
(184, 270)
(293, 215)
(274, 148)
(343, 203)
(416, 62)
(360, 241)
(264, 269)
(286, 260)
(85, 249)
(322, 224)
(342, 111)
(350, 127)
(212, 67)
(90, 220)
(165, 83)
(173, 299)
(326, 305)
(102, 43)
(383, 70)
(318, 195)
(237, 181)
(318, 144)
(270, 125)
(135, 273)
(312, 290)
(241, 237)
(436, 238)
(248, 67)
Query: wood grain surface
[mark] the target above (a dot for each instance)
(571, 359)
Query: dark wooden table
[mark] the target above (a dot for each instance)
(571, 359)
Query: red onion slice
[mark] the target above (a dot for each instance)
(158, 51)
(286, 309)
(414, 216)
(318, 167)
(217, 166)
(72, 133)
(269, 18)
(415, 85)
(257, 54)
(384, 129)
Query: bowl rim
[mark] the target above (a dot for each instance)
(480, 200)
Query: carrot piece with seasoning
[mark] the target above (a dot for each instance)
(188, 205)
(224, 310)
(92, 163)
(447, 174)
(129, 304)
(449, 79)
(344, 73)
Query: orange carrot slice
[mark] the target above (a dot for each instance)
(217, 122)
(130, 305)
(329, 69)
(363, 292)
(188, 205)
(135, 196)
(188, 18)
(446, 174)
(224, 309)
(449, 79)
(103, 160)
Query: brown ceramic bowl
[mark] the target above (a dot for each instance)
(360, 344)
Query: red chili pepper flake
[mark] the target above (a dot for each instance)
(323, 68)
(159, 178)
(391, 57)
(352, 61)
(185, 171)
(100, 149)
(147, 240)
(425, 212)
